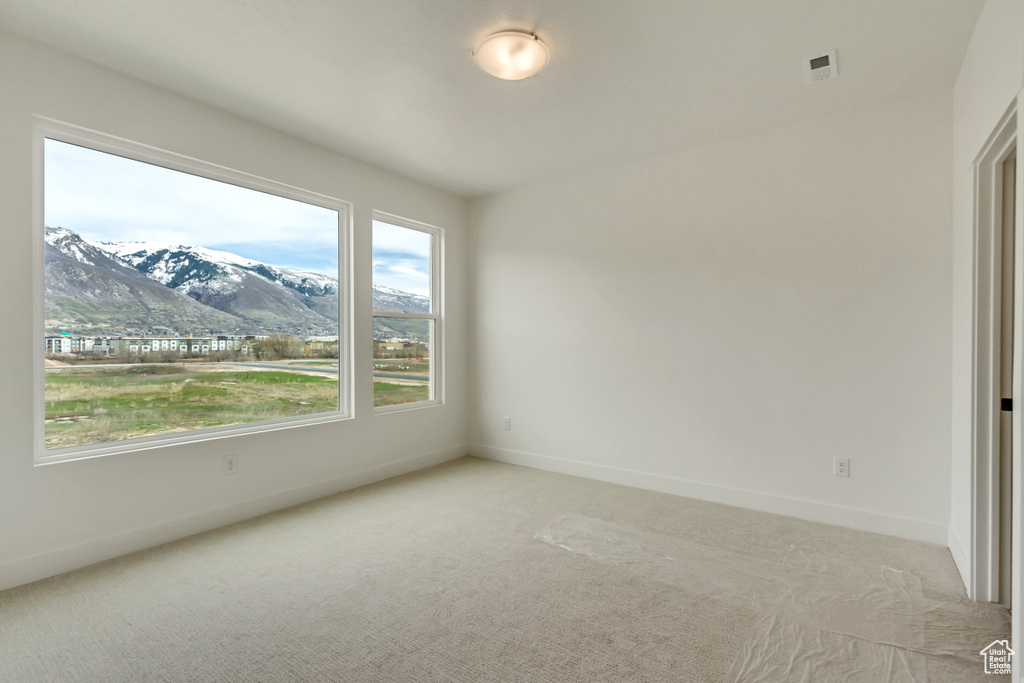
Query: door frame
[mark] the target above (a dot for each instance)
(985, 400)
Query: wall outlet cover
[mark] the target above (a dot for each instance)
(841, 467)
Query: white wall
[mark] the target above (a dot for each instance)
(991, 76)
(722, 322)
(62, 516)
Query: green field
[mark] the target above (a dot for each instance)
(100, 404)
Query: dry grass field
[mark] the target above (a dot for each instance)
(385, 394)
(86, 405)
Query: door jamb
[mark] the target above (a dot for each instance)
(985, 404)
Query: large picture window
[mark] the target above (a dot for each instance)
(407, 317)
(182, 301)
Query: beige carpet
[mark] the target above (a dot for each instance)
(439, 576)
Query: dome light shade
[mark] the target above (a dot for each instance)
(512, 55)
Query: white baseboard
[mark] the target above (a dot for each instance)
(961, 558)
(863, 520)
(28, 569)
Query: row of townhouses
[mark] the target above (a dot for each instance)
(199, 346)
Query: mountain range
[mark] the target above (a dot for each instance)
(123, 288)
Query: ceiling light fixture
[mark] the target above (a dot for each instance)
(512, 55)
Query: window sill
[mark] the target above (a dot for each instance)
(146, 443)
(403, 407)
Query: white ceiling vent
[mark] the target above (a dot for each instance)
(821, 68)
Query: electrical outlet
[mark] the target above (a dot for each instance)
(230, 463)
(841, 467)
(508, 424)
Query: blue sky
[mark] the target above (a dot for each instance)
(401, 258)
(104, 197)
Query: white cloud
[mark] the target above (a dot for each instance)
(401, 258)
(107, 197)
(389, 238)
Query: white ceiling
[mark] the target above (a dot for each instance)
(393, 82)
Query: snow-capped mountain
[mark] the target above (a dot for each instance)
(188, 268)
(387, 299)
(273, 298)
(259, 297)
(91, 290)
(72, 245)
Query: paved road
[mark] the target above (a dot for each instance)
(398, 375)
(318, 369)
(329, 370)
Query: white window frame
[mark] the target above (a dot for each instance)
(436, 311)
(44, 128)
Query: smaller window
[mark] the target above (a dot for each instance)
(407, 321)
